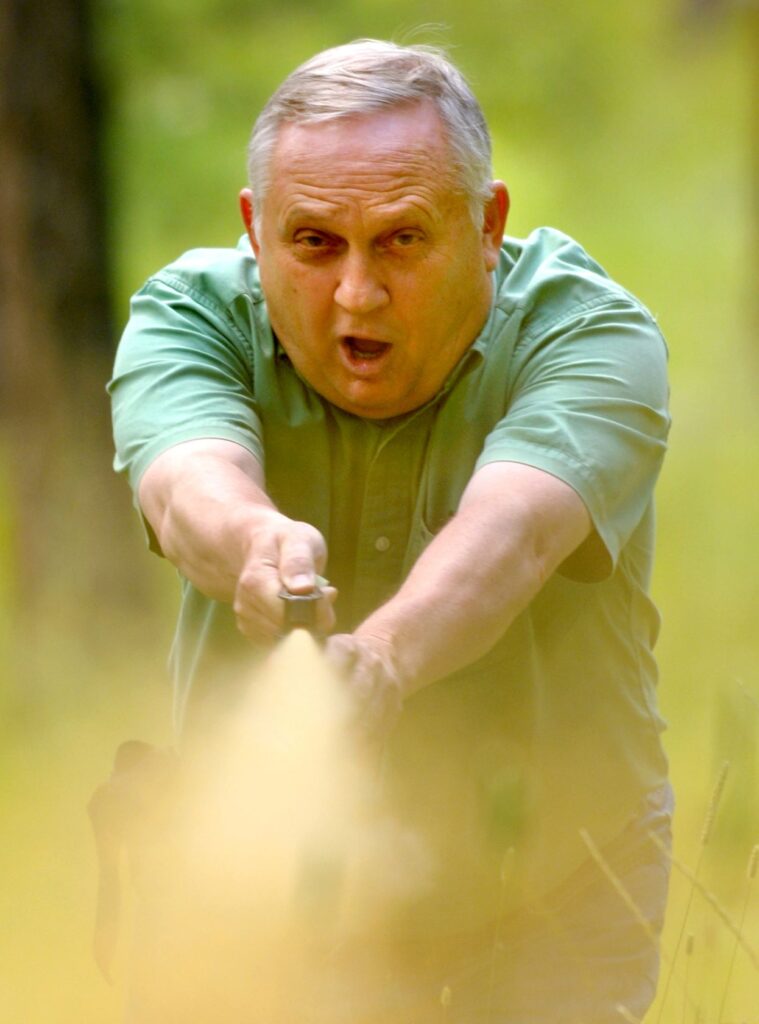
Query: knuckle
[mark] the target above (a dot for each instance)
(247, 582)
(240, 604)
(244, 626)
(338, 647)
(253, 628)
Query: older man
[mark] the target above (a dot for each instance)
(472, 428)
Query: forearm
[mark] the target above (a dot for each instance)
(447, 613)
(204, 500)
(213, 519)
(511, 532)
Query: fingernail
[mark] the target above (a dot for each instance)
(302, 580)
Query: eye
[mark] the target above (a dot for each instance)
(311, 240)
(405, 238)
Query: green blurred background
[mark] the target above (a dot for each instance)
(632, 127)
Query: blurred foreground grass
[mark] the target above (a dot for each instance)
(52, 758)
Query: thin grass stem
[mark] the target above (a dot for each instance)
(706, 833)
(628, 900)
(620, 888)
(750, 876)
(625, 1014)
(689, 956)
(713, 902)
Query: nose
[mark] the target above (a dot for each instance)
(360, 289)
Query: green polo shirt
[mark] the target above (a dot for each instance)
(556, 728)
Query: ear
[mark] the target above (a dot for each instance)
(494, 223)
(248, 217)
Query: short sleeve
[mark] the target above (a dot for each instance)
(182, 373)
(589, 405)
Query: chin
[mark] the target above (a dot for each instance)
(367, 407)
(383, 410)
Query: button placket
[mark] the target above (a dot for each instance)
(386, 520)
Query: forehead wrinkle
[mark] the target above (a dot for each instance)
(327, 165)
(376, 219)
(369, 172)
(364, 190)
(323, 203)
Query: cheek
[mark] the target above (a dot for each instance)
(307, 294)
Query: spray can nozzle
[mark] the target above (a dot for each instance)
(300, 610)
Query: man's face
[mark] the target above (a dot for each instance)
(375, 276)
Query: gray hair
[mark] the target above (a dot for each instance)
(369, 75)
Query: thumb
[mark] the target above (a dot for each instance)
(298, 557)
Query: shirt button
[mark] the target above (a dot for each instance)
(382, 543)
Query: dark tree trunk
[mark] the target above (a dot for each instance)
(55, 318)
(52, 185)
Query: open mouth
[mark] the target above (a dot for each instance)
(364, 351)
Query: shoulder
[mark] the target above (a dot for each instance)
(205, 300)
(549, 279)
(210, 292)
(213, 277)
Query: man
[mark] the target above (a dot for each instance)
(464, 433)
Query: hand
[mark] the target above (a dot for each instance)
(368, 666)
(282, 553)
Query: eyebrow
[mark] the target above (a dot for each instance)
(307, 215)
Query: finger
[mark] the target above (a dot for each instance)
(257, 608)
(256, 605)
(377, 698)
(258, 629)
(297, 568)
(302, 554)
(342, 654)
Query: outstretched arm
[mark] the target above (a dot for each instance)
(206, 502)
(514, 526)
